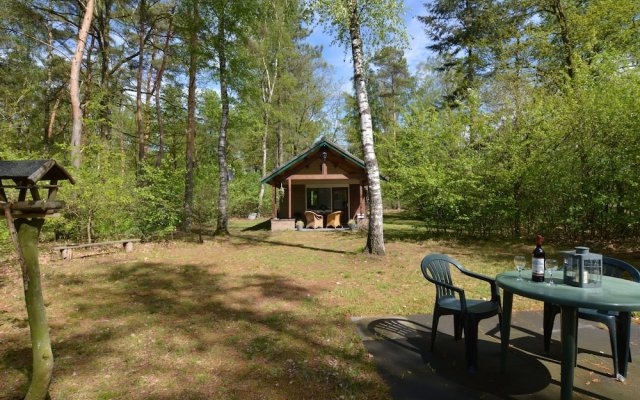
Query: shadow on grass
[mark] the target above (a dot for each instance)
(252, 239)
(261, 226)
(443, 372)
(155, 319)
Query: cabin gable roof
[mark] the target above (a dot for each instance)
(287, 168)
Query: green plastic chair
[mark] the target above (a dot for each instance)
(611, 267)
(451, 300)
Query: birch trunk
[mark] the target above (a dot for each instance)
(149, 94)
(268, 87)
(160, 121)
(223, 218)
(74, 85)
(139, 119)
(103, 22)
(375, 236)
(280, 140)
(191, 126)
(265, 120)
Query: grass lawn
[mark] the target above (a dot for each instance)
(259, 315)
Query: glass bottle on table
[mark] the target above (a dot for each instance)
(519, 262)
(537, 261)
(551, 265)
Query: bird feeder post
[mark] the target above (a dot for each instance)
(25, 219)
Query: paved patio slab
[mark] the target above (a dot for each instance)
(400, 347)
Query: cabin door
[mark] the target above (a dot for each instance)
(340, 200)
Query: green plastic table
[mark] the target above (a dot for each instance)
(614, 295)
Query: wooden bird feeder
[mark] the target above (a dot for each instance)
(25, 217)
(26, 178)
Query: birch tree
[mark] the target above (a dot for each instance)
(231, 23)
(275, 38)
(193, 22)
(376, 22)
(142, 13)
(223, 193)
(267, 86)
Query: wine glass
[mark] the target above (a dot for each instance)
(552, 266)
(519, 262)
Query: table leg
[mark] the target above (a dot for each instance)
(623, 332)
(505, 329)
(568, 333)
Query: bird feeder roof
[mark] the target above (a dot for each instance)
(34, 171)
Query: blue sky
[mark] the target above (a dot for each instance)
(340, 59)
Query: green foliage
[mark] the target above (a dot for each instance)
(527, 121)
(101, 203)
(380, 21)
(243, 195)
(564, 163)
(463, 33)
(159, 200)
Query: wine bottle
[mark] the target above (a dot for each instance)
(537, 261)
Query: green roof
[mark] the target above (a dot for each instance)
(316, 146)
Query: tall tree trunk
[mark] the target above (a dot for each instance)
(148, 88)
(52, 121)
(74, 86)
(47, 91)
(280, 131)
(375, 236)
(280, 139)
(223, 218)
(149, 92)
(139, 118)
(158, 87)
(121, 138)
(268, 86)
(160, 121)
(265, 133)
(148, 95)
(191, 124)
(104, 25)
(567, 47)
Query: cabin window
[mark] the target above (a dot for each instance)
(319, 199)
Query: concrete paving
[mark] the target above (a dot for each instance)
(400, 347)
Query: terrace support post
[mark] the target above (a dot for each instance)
(274, 210)
(28, 232)
(360, 205)
(289, 183)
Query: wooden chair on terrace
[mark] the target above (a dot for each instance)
(313, 220)
(333, 219)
